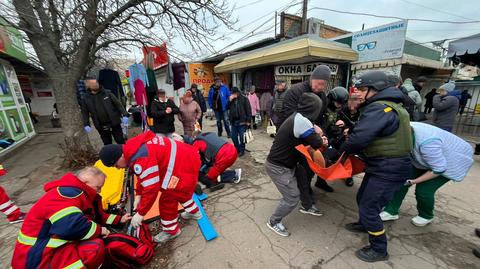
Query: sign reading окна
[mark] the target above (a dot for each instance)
(301, 69)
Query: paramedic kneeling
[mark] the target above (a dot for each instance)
(64, 228)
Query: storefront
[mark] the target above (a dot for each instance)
(291, 60)
(15, 122)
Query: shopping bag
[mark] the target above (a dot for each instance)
(271, 129)
(248, 136)
(258, 118)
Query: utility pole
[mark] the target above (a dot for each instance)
(304, 17)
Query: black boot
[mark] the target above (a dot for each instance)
(477, 232)
(198, 189)
(477, 149)
(210, 184)
(476, 252)
(355, 227)
(349, 182)
(367, 254)
(216, 186)
(322, 184)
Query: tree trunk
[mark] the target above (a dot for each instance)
(78, 150)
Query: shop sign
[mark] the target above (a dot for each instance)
(6, 97)
(11, 41)
(380, 43)
(202, 74)
(301, 69)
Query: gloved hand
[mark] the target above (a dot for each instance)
(137, 220)
(125, 120)
(136, 201)
(88, 129)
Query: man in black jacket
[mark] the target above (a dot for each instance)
(318, 85)
(106, 111)
(240, 115)
(163, 112)
(198, 97)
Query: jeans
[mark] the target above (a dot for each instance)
(238, 133)
(424, 193)
(222, 116)
(106, 134)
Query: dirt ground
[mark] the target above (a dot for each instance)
(239, 214)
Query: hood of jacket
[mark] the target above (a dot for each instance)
(70, 180)
(310, 106)
(389, 94)
(456, 93)
(133, 144)
(408, 85)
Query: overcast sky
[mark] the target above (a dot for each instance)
(254, 13)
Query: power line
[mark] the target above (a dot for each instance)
(391, 17)
(437, 10)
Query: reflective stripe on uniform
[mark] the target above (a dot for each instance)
(148, 171)
(76, 265)
(171, 164)
(377, 233)
(5, 205)
(91, 232)
(10, 210)
(110, 219)
(150, 182)
(170, 228)
(168, 222)
(30, 241)
(63, 213)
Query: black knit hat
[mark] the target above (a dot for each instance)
(110, 154)
(322, 72)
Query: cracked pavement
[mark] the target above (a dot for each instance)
(239, 214)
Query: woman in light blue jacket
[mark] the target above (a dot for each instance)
(438, 156)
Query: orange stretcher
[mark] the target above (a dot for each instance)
(338, 170)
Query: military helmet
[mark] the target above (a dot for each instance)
(338, 94)
(374, 79)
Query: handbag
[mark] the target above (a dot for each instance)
(248, 136)
(271, 128)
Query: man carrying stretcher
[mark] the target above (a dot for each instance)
(161, 164)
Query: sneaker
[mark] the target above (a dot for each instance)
(20, 219)
(238, 175)
(278, 228)
(367, 254)
(216, 187)
(185, 215)
(164, 237)
(321, 184)
(349, 182)
(355, 227)
(385, 216)
(420, 222)
(311, 211)
(476, 252)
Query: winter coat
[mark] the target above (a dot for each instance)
(69, 212)
(412, 93)
(163, 123)
(198, 97)
(429, 98)
(111, 105)
(277, 107)
(463, 99)
(224, 95)
(292, 99)
(109, 79)
(240, 110)
(254, 103)
(445, 110)
(265, 101)
(441, 152)
(189, 114)
(376, 120)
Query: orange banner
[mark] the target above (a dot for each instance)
(202, 74)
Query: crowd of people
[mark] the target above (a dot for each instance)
(374, 120)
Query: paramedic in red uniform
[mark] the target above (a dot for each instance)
(161, 164)
(64, 228)
(7, 207)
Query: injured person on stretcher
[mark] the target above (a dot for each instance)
(64, 229)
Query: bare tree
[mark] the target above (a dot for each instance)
(68, 35)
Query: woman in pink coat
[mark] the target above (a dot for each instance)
(254, 104)
(190, 113)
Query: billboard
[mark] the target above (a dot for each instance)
(202, 74)
(11, 41)
(380, 43)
